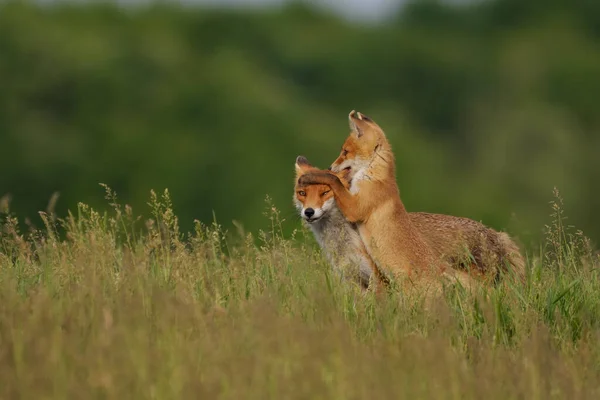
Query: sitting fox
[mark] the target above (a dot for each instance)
(338, 238)
(397, 239)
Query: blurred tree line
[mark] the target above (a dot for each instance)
(488, 106)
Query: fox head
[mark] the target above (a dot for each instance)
(362, 147)
(313, 202)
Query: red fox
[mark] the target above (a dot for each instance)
(338, 238)
(465, 244)
(402, 241)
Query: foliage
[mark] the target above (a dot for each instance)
(488, 106)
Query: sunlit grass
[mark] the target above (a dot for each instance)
(109, 305)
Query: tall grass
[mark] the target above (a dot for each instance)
(109, 305)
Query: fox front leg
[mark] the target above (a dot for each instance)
(319, 178)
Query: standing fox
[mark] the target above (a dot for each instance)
(402, 242)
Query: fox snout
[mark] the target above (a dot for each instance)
(343, 166)
(314, 214)
(340, 167)
(311, 215)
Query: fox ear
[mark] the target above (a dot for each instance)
(354, 120)
(302, 165)
(360, 124)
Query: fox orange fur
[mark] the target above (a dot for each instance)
(401, 241)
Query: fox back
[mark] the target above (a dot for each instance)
(469, 245)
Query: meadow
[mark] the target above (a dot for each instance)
(112, 305)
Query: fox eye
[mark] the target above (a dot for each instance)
(325, 192)
(344, 152)
(301, 193)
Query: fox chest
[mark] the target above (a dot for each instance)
(360, 176)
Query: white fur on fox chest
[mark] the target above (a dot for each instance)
(360, 175)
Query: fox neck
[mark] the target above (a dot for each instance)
(381, 167)
(383, 163)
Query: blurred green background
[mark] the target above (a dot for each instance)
(488, 105)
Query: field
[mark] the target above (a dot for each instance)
(109, 305)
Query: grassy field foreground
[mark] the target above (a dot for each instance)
(114, 306)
